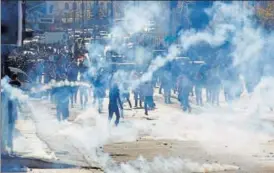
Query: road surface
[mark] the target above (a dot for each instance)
(40, 136)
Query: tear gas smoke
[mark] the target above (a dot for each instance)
(53, 84)
(229, 126)
(248, 41)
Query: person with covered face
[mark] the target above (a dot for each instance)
(114, 103)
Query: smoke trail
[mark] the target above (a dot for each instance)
(13, 93)
(53, 84)
(209, 129)
(225, 25)
(248, 41)
(135, 21)
(78, 137)
(232, 23)
(159, 62)
(89, 146)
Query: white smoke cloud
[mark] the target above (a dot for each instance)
(136, 18)
(216, 127)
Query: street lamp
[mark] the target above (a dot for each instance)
(82, 10)
(74, 6)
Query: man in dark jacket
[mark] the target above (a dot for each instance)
(114, 101)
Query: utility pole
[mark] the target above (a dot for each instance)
(86, 13)
(24, 20)
(96, 18)
(111, 13)
(170, 19)
(74, 9)
(83, 20)
(172, 6)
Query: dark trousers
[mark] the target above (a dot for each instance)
(62, 111)
(160, 88)
(167, 95)
(12, 116)
(184, 100)
(100, 104)
(208, 94)
(83, 98)
(148, 103)
(11, 127)
(126, 97)
(198, 94)
(111, 110)
(215, 96)
(73, 96)
(136, 96)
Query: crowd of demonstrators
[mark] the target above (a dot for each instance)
(55, 62)
(119, 93)
(191, 83)
(44, 63)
